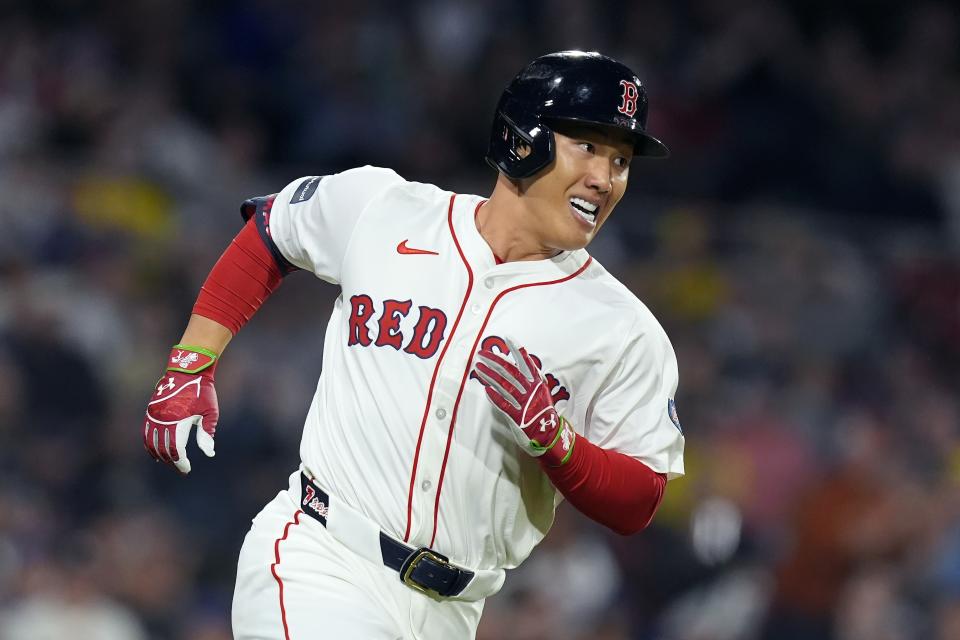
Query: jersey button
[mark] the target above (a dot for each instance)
(488, 283)
(425, 485)
(441, 413)
(475, 308)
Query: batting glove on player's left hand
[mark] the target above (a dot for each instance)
(522, 394)
(184, 397)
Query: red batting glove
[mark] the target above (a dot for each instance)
(184, 397)
(521, 393)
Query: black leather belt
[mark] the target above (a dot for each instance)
(422, 569)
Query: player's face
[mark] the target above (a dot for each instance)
(575, 196)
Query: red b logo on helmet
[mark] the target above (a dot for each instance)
(628, 104)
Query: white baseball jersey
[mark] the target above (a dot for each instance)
(398, 428)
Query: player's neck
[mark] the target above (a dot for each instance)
(502, 221)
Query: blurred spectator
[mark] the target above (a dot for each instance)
(61, 599)
(864, 511)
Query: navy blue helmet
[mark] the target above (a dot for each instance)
(574, 86)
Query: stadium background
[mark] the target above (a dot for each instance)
(800, 248)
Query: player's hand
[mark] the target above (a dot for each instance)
(183, 398)
(519, 390)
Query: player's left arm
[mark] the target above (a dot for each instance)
(609, 486)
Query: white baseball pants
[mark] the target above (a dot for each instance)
(296, 582)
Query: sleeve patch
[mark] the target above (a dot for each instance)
(305, 190)
(674, 416)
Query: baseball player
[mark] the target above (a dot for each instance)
(479, 367)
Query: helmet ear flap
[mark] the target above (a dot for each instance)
(518, 153)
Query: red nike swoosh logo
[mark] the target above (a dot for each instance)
(403, 249)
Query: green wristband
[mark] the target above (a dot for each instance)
(198, 350)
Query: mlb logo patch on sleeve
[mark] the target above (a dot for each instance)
(305, 190)
(672, 412)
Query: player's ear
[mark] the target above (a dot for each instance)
(522, 185)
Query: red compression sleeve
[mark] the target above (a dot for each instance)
(244, 276)
(614, 489)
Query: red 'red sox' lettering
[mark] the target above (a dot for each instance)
(428, 332)
(393, 311)
(360, 311)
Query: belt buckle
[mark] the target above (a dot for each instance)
(411, 563)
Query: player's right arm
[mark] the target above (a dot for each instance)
(308, 225)
(185, 397)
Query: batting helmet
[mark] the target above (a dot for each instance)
(572, 86)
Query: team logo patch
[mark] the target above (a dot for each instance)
(672, 412)
(184, 360)
(306, 190)
(566, 436)
(312, 501)
(318, 505)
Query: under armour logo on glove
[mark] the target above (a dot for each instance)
(170, 384)
(520, 392)
(545, 422)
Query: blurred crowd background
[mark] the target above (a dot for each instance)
(801, 248)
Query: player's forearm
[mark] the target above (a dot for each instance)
(609, 487)
(206, 333)
(239, 283)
